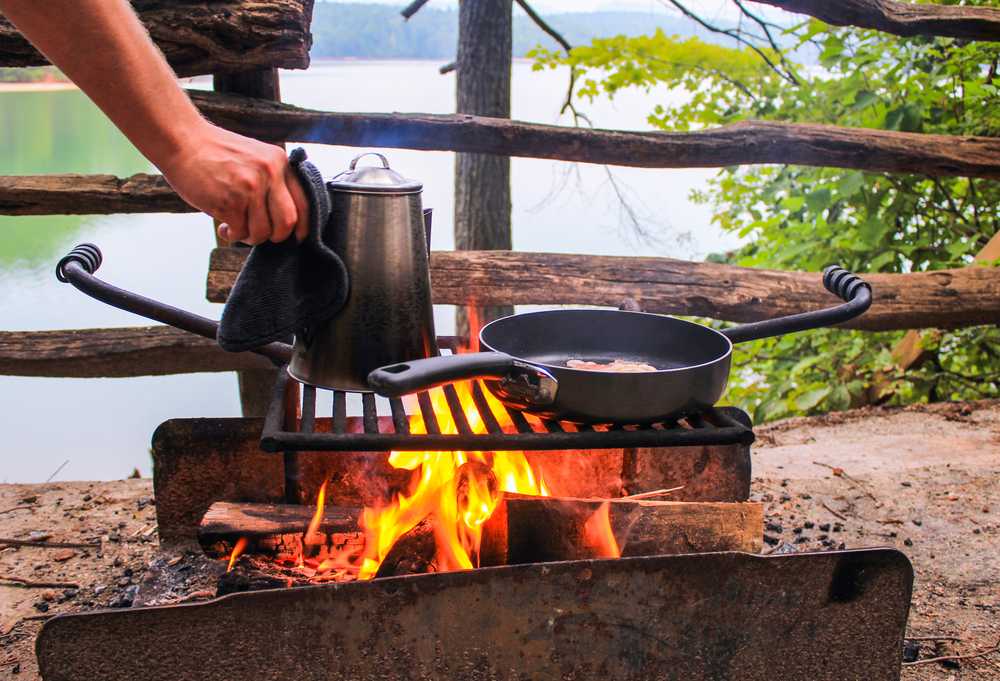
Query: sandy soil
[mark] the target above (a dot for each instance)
(920, 479)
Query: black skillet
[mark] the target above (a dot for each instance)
(524, 359)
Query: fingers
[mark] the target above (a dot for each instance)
(300, 202)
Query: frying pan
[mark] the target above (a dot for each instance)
(524, 359)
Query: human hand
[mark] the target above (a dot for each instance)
(247, 185)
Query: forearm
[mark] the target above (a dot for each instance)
(103, 48)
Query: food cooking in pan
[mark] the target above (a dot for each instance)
(618, 366)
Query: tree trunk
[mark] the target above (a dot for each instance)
(482, 181)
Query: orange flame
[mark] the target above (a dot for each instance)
(435, 489)
(598, 529)
(317, 517)
(237, 550)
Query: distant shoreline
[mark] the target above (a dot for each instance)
(39, 86)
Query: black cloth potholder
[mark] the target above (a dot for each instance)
(287, 286)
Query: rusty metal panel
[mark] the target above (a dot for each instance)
(728, 616)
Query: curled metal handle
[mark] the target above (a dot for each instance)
(354, 161)
(838, 281)
(88, 255)
(78, 268)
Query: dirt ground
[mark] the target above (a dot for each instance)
(920, 478)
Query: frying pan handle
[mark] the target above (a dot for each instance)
(837, 280)
(78, 268)
(404, 378)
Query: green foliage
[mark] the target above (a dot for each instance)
(807, 218)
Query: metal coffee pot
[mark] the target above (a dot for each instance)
(377, 228)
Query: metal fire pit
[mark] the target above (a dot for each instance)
(726, 616)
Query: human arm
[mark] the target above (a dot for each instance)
(101, 46)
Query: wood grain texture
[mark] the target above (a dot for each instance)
(88, 195)
(116, 353)
(943, 299)
(200, 38)
(737, 144)
(902, 18)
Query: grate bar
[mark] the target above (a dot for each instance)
(339, 412)
(427, 410)
(552, 426)
(520, 423)
(457, 411)
(485, 413)
(360, 442)
(308, 409)
(370, 414)
(400, 421)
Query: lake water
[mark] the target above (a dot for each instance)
(102, 427)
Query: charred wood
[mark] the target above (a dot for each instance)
(200, 38)
(942, 298)
(902, 18)
(116, 353)
(737, 144)
(278, 531)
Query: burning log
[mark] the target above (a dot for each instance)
(541, 529)
(278, 531)
(413, 553)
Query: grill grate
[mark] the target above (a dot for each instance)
(716, 426)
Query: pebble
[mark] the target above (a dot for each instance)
(773, 527)
(773, 541)
(48, 594)
(908, 542)
(918, 522)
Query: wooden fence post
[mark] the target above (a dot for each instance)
(255, 386)
(482, 181)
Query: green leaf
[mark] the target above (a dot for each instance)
(863, 99)
(811, 398)
(849, 185)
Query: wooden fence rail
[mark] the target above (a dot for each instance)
(88, 195)
(902, 18)
(944, 299)
(116, 353)
(200, 38)
(730, 145)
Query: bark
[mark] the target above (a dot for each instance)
(88, 195)
(942, 299)
(116, 353)
(902, 18)
(200, 38)
(482, 181)
(737, 144)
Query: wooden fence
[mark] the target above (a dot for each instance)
(242, 43)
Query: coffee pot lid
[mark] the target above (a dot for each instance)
(374, 180)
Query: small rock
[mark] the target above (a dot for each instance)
(805, 495)
(985, 509)
(785, 497)
(911, 651)
(122, 524)
(809, 524)
(773, 541)
(98, 590)
(825, 527)
(906, 484)
(975, 530)
(48, 594)
(43, 566)
(41, 607)
(908, 542)
(87, 497)
(71, 593)
(797, 530)
(142, 502)
(918, 522)
(771, 526)
(801, 539)
(127, 572)
(124, 582)
(841, 547)
(29, 500)
(63, 555)
(118, 561)
(823, 538)
(114, 537)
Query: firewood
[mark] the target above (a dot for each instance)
(413, 553)
(277, 530)
(527, 529)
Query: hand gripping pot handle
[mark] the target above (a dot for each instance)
(838, 281)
